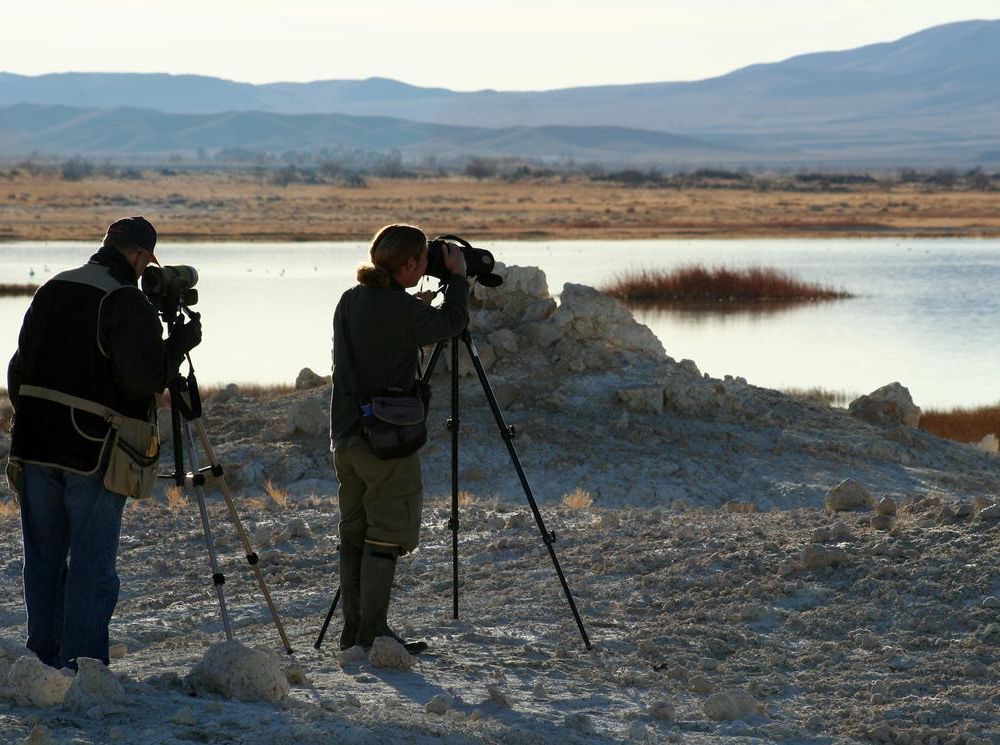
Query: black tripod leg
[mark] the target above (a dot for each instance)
(326, 622)
(508, 437)
(218, 578)
(453, 423)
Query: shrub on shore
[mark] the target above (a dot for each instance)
(962, 425)
(699, 284)
(15, 290)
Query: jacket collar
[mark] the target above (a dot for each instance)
(117, 264)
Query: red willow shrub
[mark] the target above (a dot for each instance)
(698, 284)
(962, 425)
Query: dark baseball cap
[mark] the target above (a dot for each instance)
(132, 233)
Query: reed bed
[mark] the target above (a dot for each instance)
(16, 290)
(699, 284)
(962, 425)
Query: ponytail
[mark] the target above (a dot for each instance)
(391, 248)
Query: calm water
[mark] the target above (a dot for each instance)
(926, 312)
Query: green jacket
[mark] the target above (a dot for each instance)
(387, 327)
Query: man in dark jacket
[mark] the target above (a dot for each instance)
(90, 350)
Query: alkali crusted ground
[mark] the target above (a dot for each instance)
(710, 578)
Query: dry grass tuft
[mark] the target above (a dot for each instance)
(824, 396)
(277, 495)
(962, 425)
(9, 509)
(578, 499)
(466, 498)
(15, 290)
(699, 284)
(176, 498)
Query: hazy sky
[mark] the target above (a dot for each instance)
(458, 44)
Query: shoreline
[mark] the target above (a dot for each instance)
(222, 206)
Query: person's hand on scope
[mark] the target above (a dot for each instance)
(454, 259)
(185, 336)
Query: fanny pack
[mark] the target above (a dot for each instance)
(132, 445)
(394, 424)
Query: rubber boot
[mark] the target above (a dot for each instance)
(378, 568)
(350, 594)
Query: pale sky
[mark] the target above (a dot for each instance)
(457, 44)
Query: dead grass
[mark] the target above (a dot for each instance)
(15, 290)
(248, 390)
(820, 395)
(277, 495)
(9, 509)
(962, 425)
(699, 284)
(578, 499)
(177, 500)
(244, 206)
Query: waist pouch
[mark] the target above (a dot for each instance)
(394, 425)
(92, 435)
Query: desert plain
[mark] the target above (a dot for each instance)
(237, 206)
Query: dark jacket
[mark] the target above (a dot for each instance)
(91, 333)
(387, 326)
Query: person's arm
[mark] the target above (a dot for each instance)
(14, 378)
(429, 325)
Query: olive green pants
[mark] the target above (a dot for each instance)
(380, 500)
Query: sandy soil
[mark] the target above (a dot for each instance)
(833, 627)
(219, 206)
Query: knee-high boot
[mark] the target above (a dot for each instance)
(378, 568)
(350, 594)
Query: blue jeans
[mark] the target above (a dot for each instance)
(71, 526)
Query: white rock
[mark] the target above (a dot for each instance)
(643, 399)
(815, 556)
(886, 506)
(989, 444)
(36, 684)
(503, 341)
(730, 705)
(93, 685)
(388, 653)
(499, 696)
(234, 670)
(437, 705)
(662, 710)
(308, 417)
(230, 393)
(848, 495)
(890, 404)
(298, 528)
(308, 379)
(39, 735)
(184, 716)
(990, 513)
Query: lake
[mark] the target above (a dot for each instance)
(926, 311)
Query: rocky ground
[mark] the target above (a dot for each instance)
(731, 590)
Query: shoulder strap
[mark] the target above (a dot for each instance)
(66, 399)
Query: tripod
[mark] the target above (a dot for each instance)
(185, 403)
(507, 433)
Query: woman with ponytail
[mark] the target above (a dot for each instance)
(378, 329)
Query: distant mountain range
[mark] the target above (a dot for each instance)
(930, 98)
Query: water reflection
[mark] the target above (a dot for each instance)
(697, 313)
